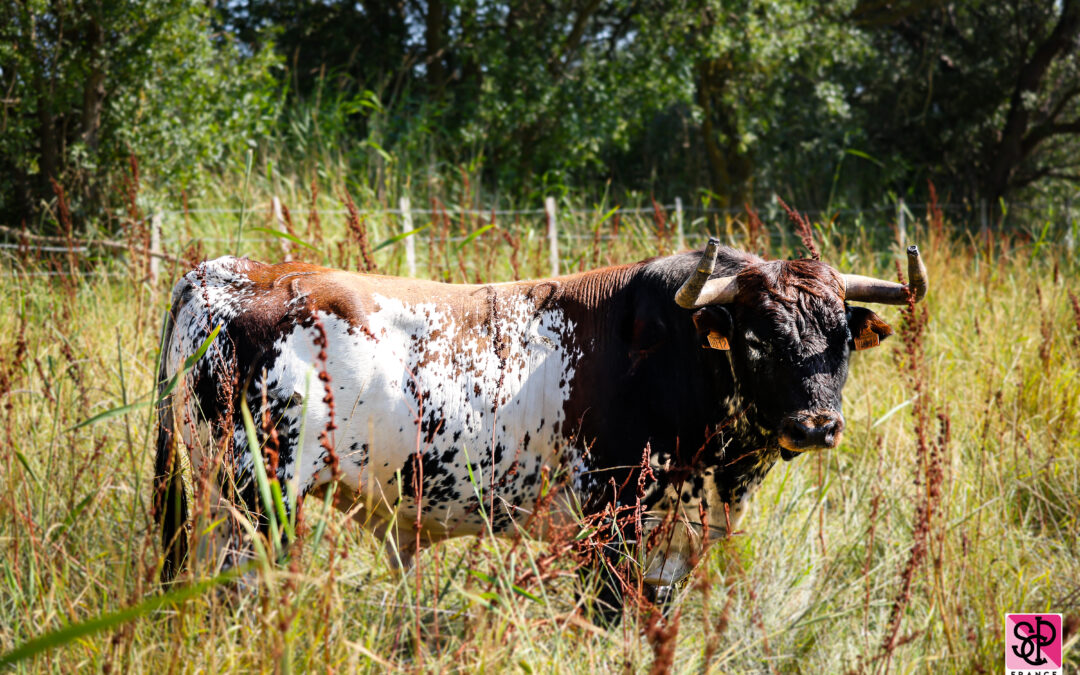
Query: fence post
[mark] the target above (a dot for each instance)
(901, 223)
(984, 226)
(410, 242)
(553, 234)
(155, 248)
(1070, 242)
(279, 222)
(679, 243)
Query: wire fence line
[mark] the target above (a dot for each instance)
(456, 210)
(670, 222)
(46, 249)
(53, 273)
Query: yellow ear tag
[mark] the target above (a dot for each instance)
(867, 340)
(718, 341)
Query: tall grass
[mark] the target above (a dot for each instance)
(901, 549)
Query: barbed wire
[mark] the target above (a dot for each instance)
(47, 249)
(686, 228)
(576, 212)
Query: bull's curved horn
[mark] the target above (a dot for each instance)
(688, 293)
(698, 290)
(868, 289)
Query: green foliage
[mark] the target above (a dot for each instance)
(773, 88)
(89, 84)
(982, 97)
(832, 104)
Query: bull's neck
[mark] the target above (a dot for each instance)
(593, 289)
(641, 377)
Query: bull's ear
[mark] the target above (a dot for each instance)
(714, 326)
(867, 329)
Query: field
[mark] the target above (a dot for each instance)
(953, 499)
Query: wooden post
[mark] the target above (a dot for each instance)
(279, 222)
(1070, 228)
(410, 241)
(901, 223)
(679, 243)
(984, 225)
(155, 248)
(553, 234)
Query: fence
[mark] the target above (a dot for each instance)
(896, 219)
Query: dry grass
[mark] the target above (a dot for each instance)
(900, 550)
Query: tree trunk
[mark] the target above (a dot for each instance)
(94, 87)
(730, 168)
(1016, 145)
(47, 138)
(434, 29)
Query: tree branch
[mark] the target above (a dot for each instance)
(561, 59)
(1045, 131)
(1011, 150)
(1069, 95)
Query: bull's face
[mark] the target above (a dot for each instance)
(788, 332)
(789, 335)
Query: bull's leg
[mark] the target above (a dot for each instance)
(225, 518)
(171, 495)
(400, 543)
(603, 594)
(226, 512)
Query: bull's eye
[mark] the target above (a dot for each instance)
(754, 342)
(755, 347)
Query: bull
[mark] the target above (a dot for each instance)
(441, 410)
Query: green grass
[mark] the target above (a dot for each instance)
(810, 586)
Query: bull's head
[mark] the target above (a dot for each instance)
(789, 332)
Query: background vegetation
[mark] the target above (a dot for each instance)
(953, 499)
(831, 104)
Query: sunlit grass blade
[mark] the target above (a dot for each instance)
(112, 412)
(26, 465)
(261, 480)
(63, 636)
(72, 516)
(285, 235)
(474, 234)
(401, 235)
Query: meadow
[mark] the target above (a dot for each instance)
(953, 498)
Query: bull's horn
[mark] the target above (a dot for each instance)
(698, 290)
(868, 289)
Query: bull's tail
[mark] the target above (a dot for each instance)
(169, 499)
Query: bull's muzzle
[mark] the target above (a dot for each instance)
(816, 430)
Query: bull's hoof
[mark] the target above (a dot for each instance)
(661, 596)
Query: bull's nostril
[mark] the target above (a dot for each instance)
(797, 432)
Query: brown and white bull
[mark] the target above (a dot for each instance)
(427, 398)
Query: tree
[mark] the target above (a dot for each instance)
(770, 86)
(89, 83)
(985, 95)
